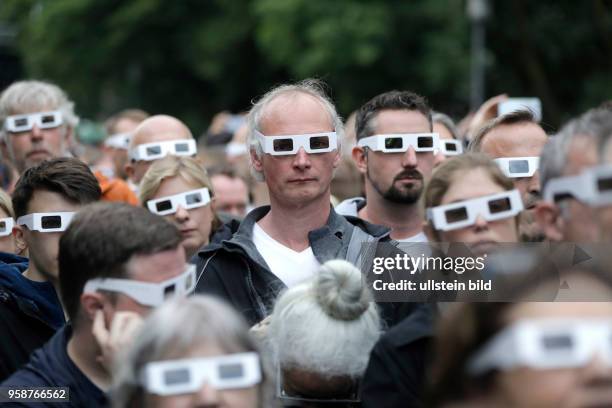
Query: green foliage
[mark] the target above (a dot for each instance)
(192, 58)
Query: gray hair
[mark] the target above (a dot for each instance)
(512, 118)
(446, 121)
(327, 325)
(595, 124)
(36, 96)
(173, 329)
(310, 87)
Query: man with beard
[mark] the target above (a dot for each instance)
(395, 150)
(515, 141)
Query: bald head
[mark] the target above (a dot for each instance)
(158, 128)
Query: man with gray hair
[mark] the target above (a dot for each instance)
(515, 141)
(39, 123)
(293, 137)
(570, 210)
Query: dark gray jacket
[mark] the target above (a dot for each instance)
(234, 269)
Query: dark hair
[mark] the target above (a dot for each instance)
(99, 242)
(469, 326)
(389, 100)
(66, 176)
(512, 118)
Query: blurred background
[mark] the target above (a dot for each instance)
(194, 58)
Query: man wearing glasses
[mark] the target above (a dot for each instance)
(44, 200)
(116, 263)
(294, 134)
(395, 151)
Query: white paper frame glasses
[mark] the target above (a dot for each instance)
(401, 142)
(25, 123)
(158, 150)
(593, 187)
(545, 344)
(516, 167)
(451, 147)
(285, 145)
(147, 293)
(188, 200)
(172, 377)
(464, 213)
(46, 222)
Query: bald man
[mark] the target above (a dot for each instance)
(153, 139)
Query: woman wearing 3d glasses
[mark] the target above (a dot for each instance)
(192, 352)
(529, 354)
(178, 188)
(469, 200)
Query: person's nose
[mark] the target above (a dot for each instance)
(533, 188)
(207, 396)
(181, 215)
(301, 159)
(481, 224)
(36, 134)
(597, 371)
(409, 158)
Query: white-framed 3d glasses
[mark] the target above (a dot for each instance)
(24, 123)
(515, 167)
(188, 200)
(171, 377)
(290, 144)
(464, 213)
(451, 147)
(46, 222)
(545, 344)
(593, 187)
(147, 293)
(401, 142)
(119, 141)
(158, 150)
(6, 226)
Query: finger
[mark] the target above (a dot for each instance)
(99, 329)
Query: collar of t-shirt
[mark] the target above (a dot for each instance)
(289, 266)
(420, 237)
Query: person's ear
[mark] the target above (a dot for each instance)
(360, 158)
(20, 242)
(337, 158)
(129, 169)
(548, 217)
(69, 135)
(257, 162)
(90, 304)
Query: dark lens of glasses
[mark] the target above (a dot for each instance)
(319, 142)
(519, 166)
(178, 376)
(283, 145)
(394, 143)
(169, 290)
(2, 226)
(193, 198)
(154, 150)
(163, 205)
(425, 142)
(231, 371)
(604, 184)
(558, 342)
(21, 122)
(456, 215)
(499, 205)
(51, 221)
(181, 147)
(451, 147)
(48, 119)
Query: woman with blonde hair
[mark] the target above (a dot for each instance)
(178, 188)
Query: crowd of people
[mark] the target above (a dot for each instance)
(158, 270)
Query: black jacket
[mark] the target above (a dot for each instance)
(50, 366)
(30, 313)
(234, 270)
(395, 376)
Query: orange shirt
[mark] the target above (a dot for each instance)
(116, 190)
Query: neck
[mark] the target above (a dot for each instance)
(33, 274)
(290, 224)
(83, 350)
(403, 219)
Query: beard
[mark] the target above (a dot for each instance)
(407, 195)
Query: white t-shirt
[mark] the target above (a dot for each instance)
(289, 266)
